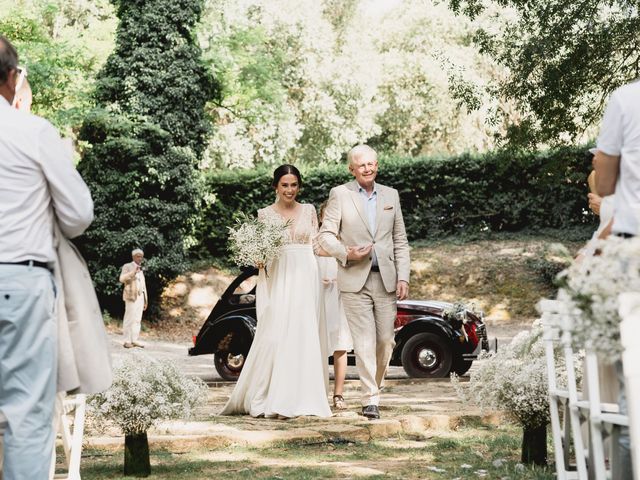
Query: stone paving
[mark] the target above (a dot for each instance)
(410, 408)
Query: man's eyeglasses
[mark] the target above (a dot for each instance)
(22, 74)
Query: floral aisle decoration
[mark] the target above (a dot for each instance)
(255, 241)
(457, 316)
(590, 290)
(144, 391)
(514, 380)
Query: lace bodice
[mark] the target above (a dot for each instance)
(303, 227)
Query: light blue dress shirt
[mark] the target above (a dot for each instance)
(370, 203)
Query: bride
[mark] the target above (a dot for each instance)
(285, 374)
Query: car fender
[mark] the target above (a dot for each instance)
(426, 324)
(242, 327)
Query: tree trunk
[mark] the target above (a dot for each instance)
(136, 455)
(534, 445)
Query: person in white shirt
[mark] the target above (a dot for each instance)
(134, 295)
(617, 166)
(617, 159)
(38, 186)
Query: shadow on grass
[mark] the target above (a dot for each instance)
(468, 453)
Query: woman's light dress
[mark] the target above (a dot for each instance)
(286, 371)
(339, 335)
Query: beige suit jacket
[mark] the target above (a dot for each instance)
(131, 287)
(346, 224)
(84, 361)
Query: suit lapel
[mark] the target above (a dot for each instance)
(379, 208)
(356, 197)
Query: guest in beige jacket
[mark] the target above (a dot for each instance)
(135, 298)
(364, 230)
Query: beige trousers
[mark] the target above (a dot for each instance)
(132, 319)
(371, 313)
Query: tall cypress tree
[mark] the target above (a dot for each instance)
(145, 140)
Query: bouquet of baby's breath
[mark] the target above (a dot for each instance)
(590, 290)
(144, 391)
(514, 380)
(257, 241)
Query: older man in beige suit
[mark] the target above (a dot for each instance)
(364, 230)
(135, 298)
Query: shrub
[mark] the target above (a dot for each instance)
(497, 191)
(144, 146)
(548, 263)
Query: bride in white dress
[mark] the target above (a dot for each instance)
(285, 374)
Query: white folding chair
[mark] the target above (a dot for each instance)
(70, 425)
(630, 313)
(563, 400)
(604, 421)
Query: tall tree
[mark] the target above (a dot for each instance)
(53, 39)
(144, 144)
(564, 59)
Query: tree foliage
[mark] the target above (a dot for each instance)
(62, 44)
(302, 81)
(144, 143)
(564, 59)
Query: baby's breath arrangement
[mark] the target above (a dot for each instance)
(514, 380)
(145, 391)
(255, 242)
(590, 290)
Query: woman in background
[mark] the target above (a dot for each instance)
(338, 334)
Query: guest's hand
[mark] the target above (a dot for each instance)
(402, 290)
(594, 203)
(355, 254)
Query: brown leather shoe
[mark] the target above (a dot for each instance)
(139, 345)
(128, 345)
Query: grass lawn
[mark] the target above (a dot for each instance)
(470, 452)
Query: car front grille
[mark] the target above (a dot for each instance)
(481, 331)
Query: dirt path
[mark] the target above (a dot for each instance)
(202, 365)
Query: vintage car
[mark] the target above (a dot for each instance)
(432, 338)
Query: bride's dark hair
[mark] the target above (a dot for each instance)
(283, 170)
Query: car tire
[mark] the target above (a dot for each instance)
(461, 366)
(228, 365)
(427, 355)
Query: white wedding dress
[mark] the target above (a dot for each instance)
(286, 369)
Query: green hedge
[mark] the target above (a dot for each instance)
(497, 191)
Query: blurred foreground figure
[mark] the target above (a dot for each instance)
(38, 186)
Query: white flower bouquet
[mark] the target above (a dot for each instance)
(145, 391)
(590, 289)
(514, 380)
(256, 241)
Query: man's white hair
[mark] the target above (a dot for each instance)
(136, 251)
(359, 151)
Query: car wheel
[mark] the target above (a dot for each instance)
(461, 366)
(228, 365)
(426, 355)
